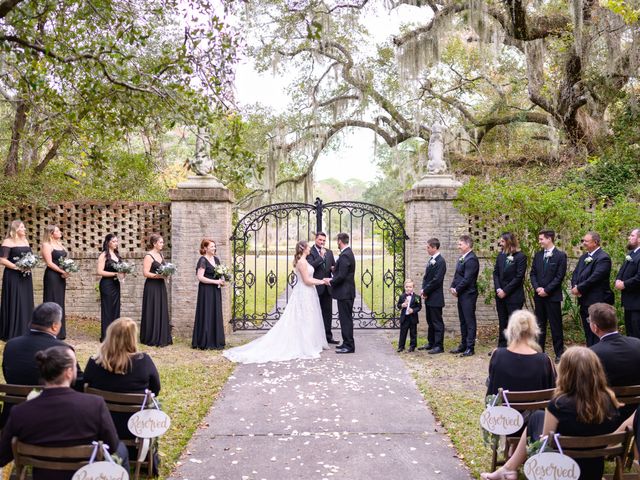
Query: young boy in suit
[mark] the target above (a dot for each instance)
(409, 304)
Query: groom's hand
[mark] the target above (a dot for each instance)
(327, 281)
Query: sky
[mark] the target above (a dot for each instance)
(355, 157)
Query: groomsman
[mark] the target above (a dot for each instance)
(508, 281)
(465, 287)
(628, 282)
(321, 259)
(590, 281)
(434, 297)
(548, 270)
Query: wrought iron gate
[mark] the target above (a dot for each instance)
(264, 244)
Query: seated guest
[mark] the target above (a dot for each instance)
(582, 405)
(619, 355)
(60, 416)
(19, 364)
(521, 366)
(119, 367)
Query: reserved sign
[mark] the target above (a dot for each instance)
(501, 420)
(101, 471)
(149, 423)
(551, 466)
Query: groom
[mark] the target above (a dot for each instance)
(344, 291)
(321, 259)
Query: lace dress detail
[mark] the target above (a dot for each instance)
(299, 334)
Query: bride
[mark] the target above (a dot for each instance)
(300, 331)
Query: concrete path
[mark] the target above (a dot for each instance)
(349, 417)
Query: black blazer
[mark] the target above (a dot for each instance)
(415, 305)
(510, 277)
(551, 276)
(432, 282)
(629, 273)
(322, 266)
(59, 417)
(592, 279)
(465, 279)
(19, 358)
(620, 357)
(343, 282)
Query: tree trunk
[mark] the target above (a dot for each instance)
(11, 163)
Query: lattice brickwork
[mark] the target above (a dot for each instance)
(85, 224)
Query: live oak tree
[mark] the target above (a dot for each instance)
(81, 73)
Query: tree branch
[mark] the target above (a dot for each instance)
(7, 6)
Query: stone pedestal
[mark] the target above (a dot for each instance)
(200, 207)
(429, 212)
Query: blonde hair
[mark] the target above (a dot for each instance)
(407, 282)
(48, 233)
(582, 378)
(523, 327)
(119, 346)
(301, 246)
(13, 228)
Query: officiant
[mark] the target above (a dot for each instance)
(321, 259)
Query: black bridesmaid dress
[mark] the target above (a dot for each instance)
(109, 298)
(54, 287)
(208, 328)
(16, 306)
(155, 330)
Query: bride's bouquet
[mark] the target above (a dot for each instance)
(222, 271)
(167, 269)
(68, 265)
(27, 262)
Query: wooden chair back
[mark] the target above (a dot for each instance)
(629, 395)
(11, 394)
(611, 446)
(129, 403)
(50, 458)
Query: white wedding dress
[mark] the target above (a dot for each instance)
(299, 333)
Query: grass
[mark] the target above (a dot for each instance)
(191, 380)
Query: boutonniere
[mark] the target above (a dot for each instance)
(628, 258)
(588, 260)
(509, 258)
(548, 254)
(461, 260)
(432, 261)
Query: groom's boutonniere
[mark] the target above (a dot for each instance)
(588, 260)
(628, 258)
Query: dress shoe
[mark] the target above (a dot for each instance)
(333, 342)
(458, 349)
(435, 350)
(468, 352)
(344, 350)
(411, 349)
(426, 347)
(400, 350)
(340, 346)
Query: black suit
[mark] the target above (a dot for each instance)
(509, 276)
(434, 299)
(592, 280)
(549, 274)
(19, 365)
(629, 273)
(465, 281)
(620, 357)
(322, 269)
(409, 322)
(60, 417)
(343, 289)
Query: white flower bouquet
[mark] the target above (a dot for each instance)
(124, 267)
(222, 272)
(167, 269)
(68, 265)
(27, 262)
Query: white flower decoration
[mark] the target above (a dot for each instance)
(432, 261)
(548, 254)
(461, 259)
(628, 258)
(588, 260)
(509, 258)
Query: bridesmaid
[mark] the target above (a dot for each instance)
(109, 283)
(208, 328)
(154, 326)
(16, 306)
(55, 278)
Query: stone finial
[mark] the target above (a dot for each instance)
(436, 164)
(202, 163)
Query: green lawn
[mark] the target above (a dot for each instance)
(191, 380)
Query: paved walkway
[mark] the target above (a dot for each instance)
(348, 417)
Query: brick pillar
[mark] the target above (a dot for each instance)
(429, 212)
(200, 207)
